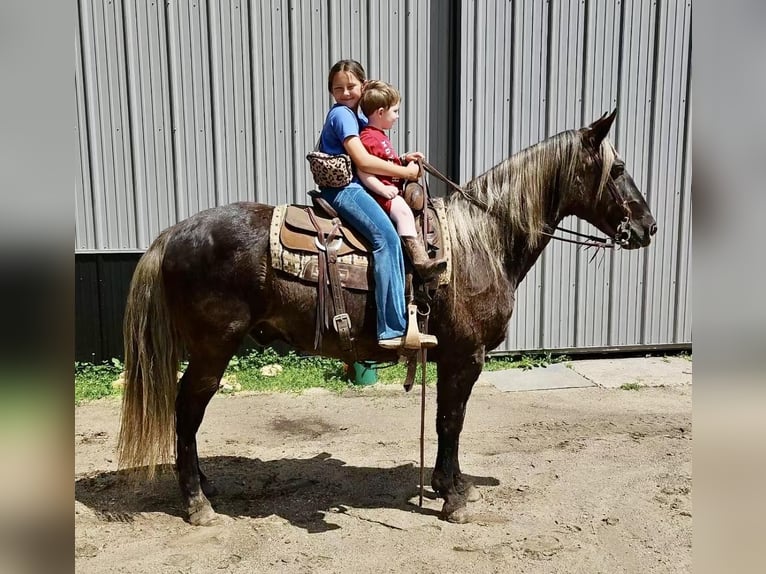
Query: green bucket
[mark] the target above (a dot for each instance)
(365, 373)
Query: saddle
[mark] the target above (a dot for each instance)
(296, 244)
(314, 245)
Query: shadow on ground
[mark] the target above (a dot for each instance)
(298, 490)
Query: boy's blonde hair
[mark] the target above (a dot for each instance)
(376, 95)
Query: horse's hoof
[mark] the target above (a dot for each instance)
(459, 516)
(455, 510)
(203, 516)
(471, 493)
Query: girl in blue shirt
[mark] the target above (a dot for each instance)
(340, 134)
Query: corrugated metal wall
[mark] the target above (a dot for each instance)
(188, 104)
(531, 69)
(184, 105)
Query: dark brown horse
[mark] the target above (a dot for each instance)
(207, 282)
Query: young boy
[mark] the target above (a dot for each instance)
(380, 103)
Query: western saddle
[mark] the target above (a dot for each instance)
(311, 242)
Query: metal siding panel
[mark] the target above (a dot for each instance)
(108, 129)
(258, 126)
(386, 29)
(84, 224)
(274, 126)
(528, 120)
(224, 141)
(231, 101)
(632, 142)
(559, 260)
(417, 59)
(190, 69)
(683, 307)
(409, 87)
(150, 118)
(349, 37)
(444, 92)
(466, 104)
(565, 73)
(669, 95)
(311, 98)
(600, 95)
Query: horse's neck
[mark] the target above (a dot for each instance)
(521, 260)
(516, 202)
(522, 253)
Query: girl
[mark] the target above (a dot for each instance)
(340, 134)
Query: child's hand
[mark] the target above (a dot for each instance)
(388, 191)
(412, 156)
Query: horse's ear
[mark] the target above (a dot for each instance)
(596, 132)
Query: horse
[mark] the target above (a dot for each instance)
(207, 282)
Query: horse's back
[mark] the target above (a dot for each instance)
(220, 248)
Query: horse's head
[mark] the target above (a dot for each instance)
(608, 196)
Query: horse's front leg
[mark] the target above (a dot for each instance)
(456, 377)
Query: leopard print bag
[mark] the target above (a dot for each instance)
(330, 170)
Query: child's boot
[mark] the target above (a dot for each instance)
(425, 267)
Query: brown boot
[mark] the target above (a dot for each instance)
(426, 268)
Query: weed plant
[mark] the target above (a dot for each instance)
(95, 381)
(266, 370)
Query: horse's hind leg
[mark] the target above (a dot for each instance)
(198, 385)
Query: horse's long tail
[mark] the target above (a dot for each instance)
(152, 353)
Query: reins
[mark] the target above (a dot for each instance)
(455, 187)
(621, 237)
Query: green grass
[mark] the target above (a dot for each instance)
(525, 362)
(95, 381)
(296, 373)
(630, 386)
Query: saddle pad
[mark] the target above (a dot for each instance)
(443, 238)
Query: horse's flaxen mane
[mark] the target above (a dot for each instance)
(517, 193)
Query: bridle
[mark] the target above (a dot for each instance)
(621, 237)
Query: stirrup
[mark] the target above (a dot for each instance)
(412, 335)
(392, 344)
(428, 341)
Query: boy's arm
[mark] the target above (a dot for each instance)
(365, 161)
(376, 186)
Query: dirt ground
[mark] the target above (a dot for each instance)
(576, 480)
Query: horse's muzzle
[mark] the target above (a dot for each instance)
(635, 234)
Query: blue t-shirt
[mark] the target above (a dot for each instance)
(341, 122)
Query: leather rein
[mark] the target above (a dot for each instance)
(621, 237)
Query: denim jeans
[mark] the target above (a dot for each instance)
(357, 208)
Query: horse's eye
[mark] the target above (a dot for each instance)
(617, 170)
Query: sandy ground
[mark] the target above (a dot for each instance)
(573, 480)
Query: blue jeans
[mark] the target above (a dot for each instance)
(357, 208)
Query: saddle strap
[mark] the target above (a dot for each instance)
(329, 278)
(341, 321)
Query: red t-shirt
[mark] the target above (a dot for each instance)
(376, 142)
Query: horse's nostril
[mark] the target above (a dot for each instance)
(653, 229)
